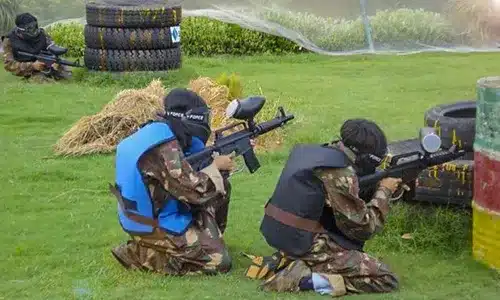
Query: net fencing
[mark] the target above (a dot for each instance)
(331, 27)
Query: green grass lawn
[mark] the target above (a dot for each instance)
(59, 221)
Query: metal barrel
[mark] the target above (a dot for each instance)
(486, 202)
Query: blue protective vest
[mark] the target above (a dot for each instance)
(174, 217)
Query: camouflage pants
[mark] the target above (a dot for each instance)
(62, 72)
(361, 273)
(201, 250)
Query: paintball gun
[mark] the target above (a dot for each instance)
(407, 166)
(50, 56)
(239, 141)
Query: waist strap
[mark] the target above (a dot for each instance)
(293, 220)
(134, 217)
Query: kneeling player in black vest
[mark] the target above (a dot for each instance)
(316, 218)
(28, 37)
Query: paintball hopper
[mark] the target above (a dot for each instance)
(245, 109)
(57, 50)
(429, 140)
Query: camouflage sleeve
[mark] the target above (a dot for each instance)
(355, 218)
(13, 66)
(167, 165)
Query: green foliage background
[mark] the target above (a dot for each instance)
(8, 11)
(203, 36)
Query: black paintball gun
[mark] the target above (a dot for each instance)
(238, 142)
(408, 166)
(50, 56)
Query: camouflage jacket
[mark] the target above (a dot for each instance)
(24, 69)
(166, 172)
(357, 219)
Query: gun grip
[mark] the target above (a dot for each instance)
(251, 160)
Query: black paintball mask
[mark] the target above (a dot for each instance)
(195, 120)
(367, 163)
(188, 115)
(367, 141)
(27, 26)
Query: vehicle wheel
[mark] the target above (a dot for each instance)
(455, 124)
(137, 16)
(131, 38)
(132, 60)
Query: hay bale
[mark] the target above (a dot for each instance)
(101, 133)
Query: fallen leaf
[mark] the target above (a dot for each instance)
(407, 236)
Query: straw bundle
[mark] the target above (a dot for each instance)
(101, 133)
(216, 96)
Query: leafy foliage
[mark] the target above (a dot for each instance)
(69, 35)
(8, 12)
(233, 82)
(389, 27)
(204, 37)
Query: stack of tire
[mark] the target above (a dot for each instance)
(122, 38)
(452, 182)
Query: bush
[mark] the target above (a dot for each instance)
(204, 36)
(69, 35)
(8, 11)
(389, 27)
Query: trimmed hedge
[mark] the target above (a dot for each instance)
(204, 36)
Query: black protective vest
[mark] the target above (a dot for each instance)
(295, 212)
(29, 46)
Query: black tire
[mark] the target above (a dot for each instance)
(129, 39)
(120, 16)
(133, 60)
(455, 123)
(451, 183)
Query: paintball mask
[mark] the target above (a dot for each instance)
(196, 121)
(367, 163)
(27, 26)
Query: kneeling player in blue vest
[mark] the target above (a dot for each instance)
(174, 214)
(317, 220)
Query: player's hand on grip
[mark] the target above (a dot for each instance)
(391, 183)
